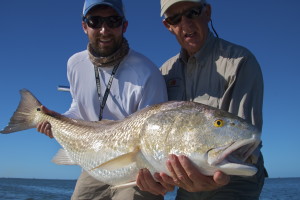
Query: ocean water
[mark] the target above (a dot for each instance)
(35, 189)
(41, 189)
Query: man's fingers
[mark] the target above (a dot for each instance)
(178, 172)
(167, 179)
(146, 182)
(170, 164)
(189, 168)
(169, 186)
(45, 127)
(186, 175)
(140, 180)
(221, 178)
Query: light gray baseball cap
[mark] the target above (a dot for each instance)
(165, 4)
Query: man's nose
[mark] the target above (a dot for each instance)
(104, 28)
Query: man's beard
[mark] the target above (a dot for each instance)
(111, 60)
(106, 50)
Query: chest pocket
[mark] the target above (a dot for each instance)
(175, 89)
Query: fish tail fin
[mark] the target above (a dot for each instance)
(24, 117)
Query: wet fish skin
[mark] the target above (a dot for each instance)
(114, 151)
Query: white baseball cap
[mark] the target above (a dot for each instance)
(165, 4)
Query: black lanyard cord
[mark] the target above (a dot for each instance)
(103, 102)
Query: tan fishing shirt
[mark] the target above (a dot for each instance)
(222, 75)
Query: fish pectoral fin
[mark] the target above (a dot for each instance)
(120, 161)
(125, 185)
(62, 158)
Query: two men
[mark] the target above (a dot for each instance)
(208, 70)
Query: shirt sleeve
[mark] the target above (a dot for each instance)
(245, 92)
(73, 111)
(154, 91)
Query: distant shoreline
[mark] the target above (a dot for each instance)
(57, 179)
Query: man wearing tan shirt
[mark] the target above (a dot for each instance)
(218, 73)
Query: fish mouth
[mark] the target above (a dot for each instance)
(236, 152)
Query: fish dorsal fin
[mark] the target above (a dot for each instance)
(62, 158)
(120, 161)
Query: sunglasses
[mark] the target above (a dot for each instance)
(191, 14)
(97, 21)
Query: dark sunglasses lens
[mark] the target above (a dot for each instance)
(94, 22)
(191, 14)
(114, 21)
(196, 12)
(173, 20)
(97, 21)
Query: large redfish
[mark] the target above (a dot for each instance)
(114, 151)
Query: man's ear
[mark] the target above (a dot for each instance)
(84, 27)
(168, 26)
(207, 12)
(125, 25)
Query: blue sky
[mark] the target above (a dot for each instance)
(38, 37)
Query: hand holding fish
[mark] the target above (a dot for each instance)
(45, 126)
(184, 174)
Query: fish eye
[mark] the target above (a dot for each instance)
(219, 123)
